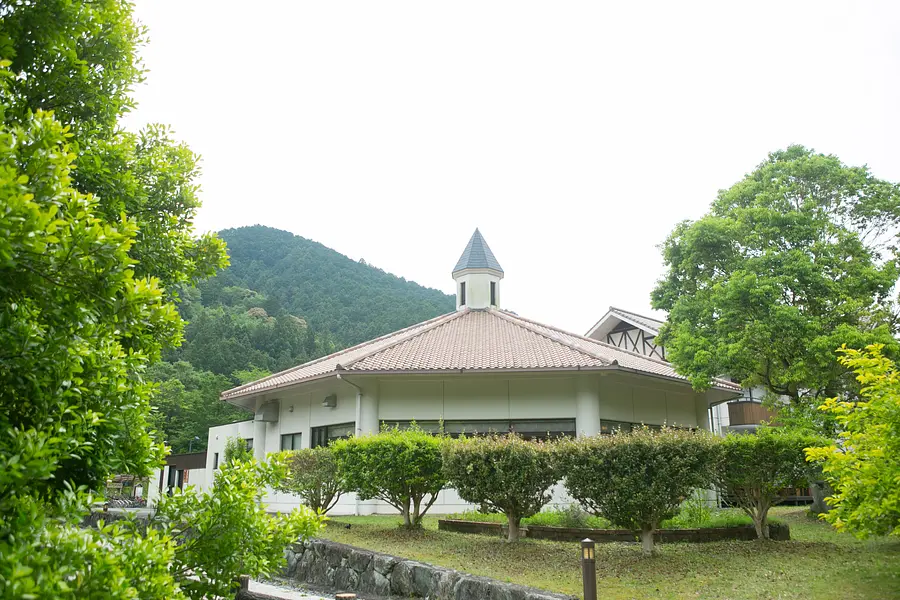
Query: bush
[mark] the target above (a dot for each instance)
(313, 475)
(638, 479)
(236, 449)
(506, 473)
(400, 467)
(757, 468)
(226, 532)
(864, 469)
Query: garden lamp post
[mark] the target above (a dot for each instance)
(191, 443)
(588, 569)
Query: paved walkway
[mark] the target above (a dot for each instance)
(283, 592)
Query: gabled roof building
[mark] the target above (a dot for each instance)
(477, 369)
(637, 333)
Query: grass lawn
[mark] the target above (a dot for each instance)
(817, 563)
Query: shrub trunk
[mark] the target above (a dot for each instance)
(515, 527)
(761, 523)
(647, 546)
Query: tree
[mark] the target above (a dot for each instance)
(757, 469)
(79, 60)
(313, 475)
(400, 467)
(638, 479)
(187, 403)
(864, 466)
(236, 450)
(505, 473)
(226, 532)
(77, 330)
(789, 264)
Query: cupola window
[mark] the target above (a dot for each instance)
(493, 293)
(462, 293)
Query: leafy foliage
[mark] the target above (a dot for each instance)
(313, 475)
(638, 479)
(401, 467)
(864, 467)
(790, 263)
(236, 450)
(348, 301)
(757, 468)
(186, 404)
(79, 60)
(506, 473)
(77, 330)
(226, 532)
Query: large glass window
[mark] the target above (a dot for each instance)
(291, 441)
(322, 436)
(532, 429)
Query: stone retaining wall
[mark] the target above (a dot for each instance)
(777, 531)
(343, 568)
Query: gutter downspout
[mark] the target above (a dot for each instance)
(356, 427)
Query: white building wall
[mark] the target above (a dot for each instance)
(616, 396)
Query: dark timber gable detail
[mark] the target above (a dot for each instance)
(631, 338)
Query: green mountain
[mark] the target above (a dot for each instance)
(352, 301)
(284, 300)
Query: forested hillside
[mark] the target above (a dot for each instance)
(283, 301)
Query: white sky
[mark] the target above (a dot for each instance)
(574, 134)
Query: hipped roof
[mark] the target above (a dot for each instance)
(470, 341)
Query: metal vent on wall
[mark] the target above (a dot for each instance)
(268, 412)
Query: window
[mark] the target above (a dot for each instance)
(249, 443)
(531, 429)
(290, 441)
(493, 293)
(462, 293)
(215, 461)
(322, 436)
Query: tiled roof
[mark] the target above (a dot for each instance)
(477, 255)
(470, 340)
(648, 322)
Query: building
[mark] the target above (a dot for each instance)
(477, 369)
(180, 471)
(637, 333)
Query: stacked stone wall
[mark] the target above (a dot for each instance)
(342, 568)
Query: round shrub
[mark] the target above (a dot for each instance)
(505, 473)
(638, 479)
(400, 467)
(757, 469)
(313, 476)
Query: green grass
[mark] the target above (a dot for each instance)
(577, 518)
(818, 563)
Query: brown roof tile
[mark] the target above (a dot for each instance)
(470, 340)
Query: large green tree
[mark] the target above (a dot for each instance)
(789, 263)
(187, 403)
(79, 60)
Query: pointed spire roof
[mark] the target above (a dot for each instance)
(477, 255)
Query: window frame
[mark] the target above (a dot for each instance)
(295, 437)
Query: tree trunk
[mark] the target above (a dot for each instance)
(647, 546)
(514, 527)
(820, 490)
(760, 522)
(416, 519)
(405, 512)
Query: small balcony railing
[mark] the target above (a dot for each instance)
(748, 412)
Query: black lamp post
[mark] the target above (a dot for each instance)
(191, 443)
(588, 569)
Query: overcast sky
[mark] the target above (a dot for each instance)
(573, 134)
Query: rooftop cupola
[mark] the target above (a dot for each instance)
(477, 275)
